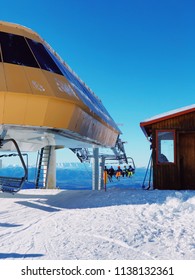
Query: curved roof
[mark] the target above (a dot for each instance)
(38, 90)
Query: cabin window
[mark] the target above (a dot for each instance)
(165, 147)
(15, 50)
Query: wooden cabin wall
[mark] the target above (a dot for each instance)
(184, 122)
(187, 160)
(171, 175)
(165, 176)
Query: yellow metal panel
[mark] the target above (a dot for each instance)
(38, 82)
(2, 97)
(82, 123)
(28, 33)
(76, 122)
(60, 86)
(36, 108)
(16, 79)
(2, 78)
(19, 30)
(14, 108)
(8, 28)
(59, 113)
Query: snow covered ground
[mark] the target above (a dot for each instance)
(122, 223)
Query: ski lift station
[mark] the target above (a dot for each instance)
(172, 137)
(45, 106)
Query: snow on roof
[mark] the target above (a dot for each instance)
(180, 111)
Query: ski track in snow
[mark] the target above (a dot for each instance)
(117, 224)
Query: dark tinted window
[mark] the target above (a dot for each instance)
(15, 50)
(44, 59)
(0, 54)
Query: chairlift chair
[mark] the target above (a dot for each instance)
(13, 184)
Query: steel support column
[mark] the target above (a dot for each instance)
(101, 177)
(95, 170)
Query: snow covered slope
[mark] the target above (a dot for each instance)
(122, 223)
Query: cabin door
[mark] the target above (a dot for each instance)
(187, 160)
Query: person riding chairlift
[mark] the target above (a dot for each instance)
(125, 171)
(118, 173)
(131, 171)
(111, 173)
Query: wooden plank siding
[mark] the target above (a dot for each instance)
(187, 160)
(181, 174)
(183, 122)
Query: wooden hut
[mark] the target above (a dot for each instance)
(172, 137)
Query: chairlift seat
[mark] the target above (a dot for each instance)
(11, 184)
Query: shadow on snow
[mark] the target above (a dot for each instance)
(95, 199)
(18, 256)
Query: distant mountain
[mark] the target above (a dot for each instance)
(73, 165)
(73, 176)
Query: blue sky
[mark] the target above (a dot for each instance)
(137, 56)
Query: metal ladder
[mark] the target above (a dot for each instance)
(43, 161)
